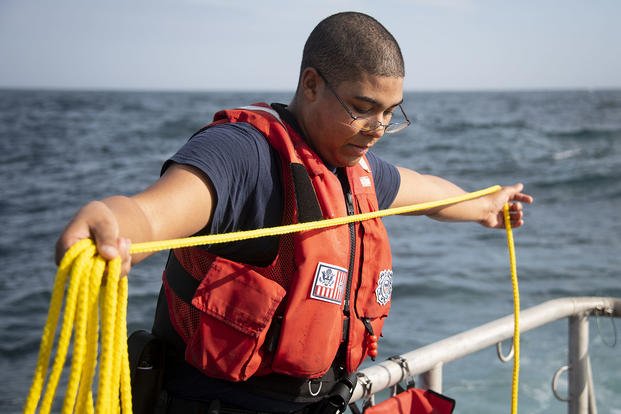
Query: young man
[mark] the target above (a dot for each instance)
(273, 324)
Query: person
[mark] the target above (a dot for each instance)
(274, 324)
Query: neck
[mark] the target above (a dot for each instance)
(297, 111)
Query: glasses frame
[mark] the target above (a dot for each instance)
(389, 128)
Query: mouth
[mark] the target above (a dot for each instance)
(359, 150)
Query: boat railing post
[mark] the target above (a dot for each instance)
(432, 379)
(592, 402)
(578, 364)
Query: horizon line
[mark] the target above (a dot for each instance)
(292, 91)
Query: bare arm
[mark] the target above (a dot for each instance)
(419, 188)
(179, 204)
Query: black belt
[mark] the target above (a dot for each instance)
(174, 405)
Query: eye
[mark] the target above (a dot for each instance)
(361, 111)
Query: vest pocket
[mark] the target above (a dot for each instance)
(236, 307)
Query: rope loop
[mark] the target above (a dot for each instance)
(79, 284)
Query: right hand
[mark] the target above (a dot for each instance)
(96, 221)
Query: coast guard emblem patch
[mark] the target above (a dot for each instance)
(329, 283)
(365, 181)
(383, 291)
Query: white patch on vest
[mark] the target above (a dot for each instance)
(365, 181)
(383, 292)
(364, 165)
(329, 283)
(264, 109)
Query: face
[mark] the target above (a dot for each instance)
(327, 124)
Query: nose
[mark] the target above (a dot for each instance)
(380, 122)
(376, 133)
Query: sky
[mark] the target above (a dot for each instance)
(203, 45)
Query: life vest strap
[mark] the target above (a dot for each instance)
(183, 284)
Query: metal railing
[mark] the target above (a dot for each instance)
(428, 360)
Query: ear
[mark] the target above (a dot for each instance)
(310, 81)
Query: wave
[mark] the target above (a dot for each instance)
(608, 104)
(607, 182)
(585, 133)
(460, 126)
(565, 154)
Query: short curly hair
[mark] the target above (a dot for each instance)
(346, 45)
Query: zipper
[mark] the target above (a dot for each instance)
(349, 200)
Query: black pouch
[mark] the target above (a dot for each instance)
(146, 366)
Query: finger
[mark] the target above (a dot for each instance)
(74, 232)
(517, 216)
(106, 242)
(96, 221)
(126, 259)
(516, 209)
(517, 187)
(515, 206)
(105, 230)
(525, 198)
(62, 245)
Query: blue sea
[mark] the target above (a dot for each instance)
(60, 149)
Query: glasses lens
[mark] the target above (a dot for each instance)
(400, 122)
(366, 125)
(392, 128)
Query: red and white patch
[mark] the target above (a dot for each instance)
(365, 181)
(329, 283)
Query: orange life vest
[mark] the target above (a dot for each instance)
(324, 286)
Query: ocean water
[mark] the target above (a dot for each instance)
(60, 149)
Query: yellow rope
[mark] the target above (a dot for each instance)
(516, 312)
(85, 270)
(155, 246)
(87, 293)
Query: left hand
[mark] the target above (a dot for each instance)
(510, 194)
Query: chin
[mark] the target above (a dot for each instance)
(346, 161)
(352, 162)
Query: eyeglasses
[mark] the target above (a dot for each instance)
(366, 124)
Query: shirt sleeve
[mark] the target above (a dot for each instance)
(386, 178)
(240, 165)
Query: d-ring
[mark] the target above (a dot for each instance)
(310, 390)
(502, 357)
(555, 378)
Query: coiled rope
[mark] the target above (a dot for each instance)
(83, 269)
(89, 291)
